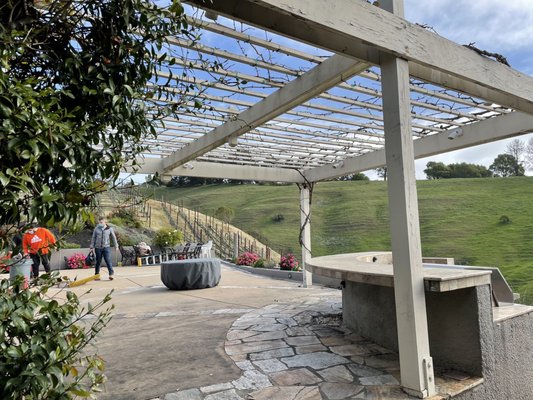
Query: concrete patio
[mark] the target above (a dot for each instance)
(251, 337)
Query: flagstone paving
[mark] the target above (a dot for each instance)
(302, 352)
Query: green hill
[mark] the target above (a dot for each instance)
(459, 218)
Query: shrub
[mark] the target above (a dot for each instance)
(288, 263)
(247, 258)
(168, 237)
(130, 236)
(225, 214)
(125, 217)
(278, 218)
(44, 352)
(76, 261)
(259, 263)
(271, 264)
(504, 220)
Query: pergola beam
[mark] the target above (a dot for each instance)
(270, 45)
(489, 130)
(221, 171)
(317, 80)
(364, 31)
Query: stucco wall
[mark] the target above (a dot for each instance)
(507, 362)
(462, 336)
(453, 321)
(57, 260)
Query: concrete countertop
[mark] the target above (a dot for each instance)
(375, 268)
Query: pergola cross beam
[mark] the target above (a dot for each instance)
(320, 78)
(368, 31)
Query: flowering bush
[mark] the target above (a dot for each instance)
(5, 259)
(247, 258)
(76, 261)
(288, 263)
(167, 237)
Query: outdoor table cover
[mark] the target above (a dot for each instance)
(197, 273)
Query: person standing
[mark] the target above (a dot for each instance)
(37, 242)
(101, 242)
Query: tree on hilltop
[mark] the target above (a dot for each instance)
(505, 165)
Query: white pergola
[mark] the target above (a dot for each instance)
(310, 90)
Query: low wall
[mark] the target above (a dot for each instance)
(57, 261)
(454, 321)
(288, 275)
(507, 361)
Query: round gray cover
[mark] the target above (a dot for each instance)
(197, 273)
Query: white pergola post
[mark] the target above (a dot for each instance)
(305, 227)
(416, 366)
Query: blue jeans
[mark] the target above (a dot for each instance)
(106, 253)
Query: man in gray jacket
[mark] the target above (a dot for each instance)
(101, 242)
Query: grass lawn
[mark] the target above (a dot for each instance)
(459, 218)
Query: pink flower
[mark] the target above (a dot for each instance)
(247, 258)
(76, 261)
(288, 262)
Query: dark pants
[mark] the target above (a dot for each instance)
(104, 252)
(36, 259)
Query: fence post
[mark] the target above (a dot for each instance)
(235, 245)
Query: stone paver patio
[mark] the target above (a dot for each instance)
(301, 351)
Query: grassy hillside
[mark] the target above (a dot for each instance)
(459, 218)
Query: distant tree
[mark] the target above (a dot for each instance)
(174, 182)
(529, 154)
(517, 149)
(506, 165)
(153, 179)
(466, 170)
(437, 170)
(382, 172)
(225, 214)
(213, 181)
(358, 176)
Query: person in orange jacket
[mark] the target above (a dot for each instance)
(37, 242)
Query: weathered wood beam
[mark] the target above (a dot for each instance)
(322, 77)
(219, 171)
(489, 130)
(364, 31)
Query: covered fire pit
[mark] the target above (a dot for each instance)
(198, 273)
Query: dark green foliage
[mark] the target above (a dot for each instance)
(466, 170)
(504, 220)
(186, 181)
(507, 165)
(73, 78)
(43, 343)
(259, 263)
(358, 176)
(278, 218)
(167, 237)
(224, 213)
(382, 172)
(439, 170)
(125, 217)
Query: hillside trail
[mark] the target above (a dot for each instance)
(196, 227)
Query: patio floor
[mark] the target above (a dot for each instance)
(251, 337)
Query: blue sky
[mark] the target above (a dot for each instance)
(498, 26)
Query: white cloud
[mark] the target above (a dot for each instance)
(494, 25)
